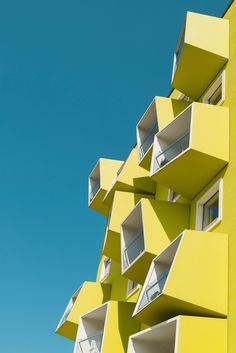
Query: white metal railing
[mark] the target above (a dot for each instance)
(94, 190)
(172, 150)
(133, 249)
(148, 140)
(153, 289)
(90, 344)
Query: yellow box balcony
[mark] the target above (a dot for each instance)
(123, 203)
(160, 112)
(191, 150)
(147, 230)
(106, 329)
(87, 297)
(100, 181)
(131, 178)
(189, 277)
(202, 51)
(182, 334)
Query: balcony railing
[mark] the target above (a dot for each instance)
(147, 142)
(91, 344)
(133, 249)
(172, 150)
(94, 190)
(153, 289)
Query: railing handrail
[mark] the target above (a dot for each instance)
(91, 337)
(187, 132)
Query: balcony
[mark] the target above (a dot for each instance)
(202, 51)
(160, 112)
(123, 204)
(99, 329)
(191, 150)
(131, 178)
(146, 232)
(192, 259)
(100, 181)
(87, 297)
(182, 334)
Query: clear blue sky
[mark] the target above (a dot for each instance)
(75, 77)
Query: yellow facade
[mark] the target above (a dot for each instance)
(186, 207)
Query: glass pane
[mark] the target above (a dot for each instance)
(133, 248)
(216, 96)
(210, 210)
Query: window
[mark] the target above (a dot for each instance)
(173, 196)
(106, 266)
(216, 93)
(132, 287)
(209, 208)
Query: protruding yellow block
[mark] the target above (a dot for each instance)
(89, 296)
(202, 51)
(190, 151)
(147, 230)
(189, 277)
(131, 178)
(100, 181)
(182, 334)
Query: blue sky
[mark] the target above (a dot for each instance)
(75, 77)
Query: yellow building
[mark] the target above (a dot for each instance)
(166, 280)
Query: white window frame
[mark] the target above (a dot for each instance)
(103, 274)
(220, 80)
(130, 291)
(170, 196)
(218, 186)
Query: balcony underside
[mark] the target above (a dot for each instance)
(165, 307)
(196, 70)
(98, 205)
(137, 271)
(189, 173)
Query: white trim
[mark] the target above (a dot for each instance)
(218, 186)
(220, 80)
(130, 292)
(170, 196)
(104, 274)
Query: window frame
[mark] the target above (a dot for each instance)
(170, 196)
(220, 80)
(130, 291)
(217, 187)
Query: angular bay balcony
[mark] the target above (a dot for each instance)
(182, 334)
(87, 297)
(202, 51)
(166, 293)
(99, 329)
(160, 112)
(146, 232)
(123, 204)
(191, 150)
(100, 181)
(131, 178)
